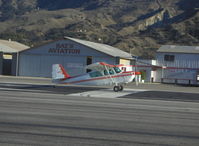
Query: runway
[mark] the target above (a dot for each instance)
(46, 116)
(105, 92)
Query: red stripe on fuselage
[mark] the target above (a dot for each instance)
(101, 78)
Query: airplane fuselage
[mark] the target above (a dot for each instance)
(86, 79)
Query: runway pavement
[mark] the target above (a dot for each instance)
(31, 118)
(40, 115)
(103, 92)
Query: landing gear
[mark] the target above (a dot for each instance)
(118, 88)
(121, 88)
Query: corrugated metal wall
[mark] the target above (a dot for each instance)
(183, 69)
(37, 62)
(181, 60)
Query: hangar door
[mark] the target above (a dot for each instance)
(41, 65)
(7, 64)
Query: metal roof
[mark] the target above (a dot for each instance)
(112, 51)
(179, 49)
(8, 46)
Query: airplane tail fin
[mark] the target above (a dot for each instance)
(58, 72)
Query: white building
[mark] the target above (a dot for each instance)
(179, 64)
(146, 68)
(73, 54)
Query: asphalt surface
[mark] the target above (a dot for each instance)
(68, 90)
(40, 115)
(165, 95)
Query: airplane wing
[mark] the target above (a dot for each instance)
(99, 66)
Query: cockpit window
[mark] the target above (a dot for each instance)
(95, 74)
(117, 70)
(111, 72)
(105, 72)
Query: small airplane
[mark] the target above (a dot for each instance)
(101, 74)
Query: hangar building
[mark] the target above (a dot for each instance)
(179, 64)
(8, 56)
(73, 54)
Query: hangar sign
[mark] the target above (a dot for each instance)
(64, 49)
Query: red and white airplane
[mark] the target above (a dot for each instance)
(101, 74)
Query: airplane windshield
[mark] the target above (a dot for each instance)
(117, 70)
(95, 74)
(111, 72)
(105, 72)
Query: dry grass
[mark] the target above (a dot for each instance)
(111, 23)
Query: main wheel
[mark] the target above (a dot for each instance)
(121, 88)
(116, 88)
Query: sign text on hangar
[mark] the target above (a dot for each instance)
(64, 48)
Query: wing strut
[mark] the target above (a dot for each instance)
(110, 76)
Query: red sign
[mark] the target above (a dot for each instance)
(65, 46)
(64, 49)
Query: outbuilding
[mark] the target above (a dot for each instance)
(74, 54)
(8, 56)
(179, 64)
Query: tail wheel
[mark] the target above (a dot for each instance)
(121, 88)
(116, 88)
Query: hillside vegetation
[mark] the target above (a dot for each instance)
(136, 26)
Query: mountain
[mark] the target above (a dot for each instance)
(136, 26)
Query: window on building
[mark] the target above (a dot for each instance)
(89, 61)
(169, 57)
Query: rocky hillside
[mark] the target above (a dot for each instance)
(136, 26)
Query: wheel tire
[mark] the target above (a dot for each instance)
(121, 88)
(116, 88)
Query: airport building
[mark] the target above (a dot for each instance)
(8, 56)
(173, 64)
(177, 64)
(146, 68)
(73, 54)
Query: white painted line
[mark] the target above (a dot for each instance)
(107, 93)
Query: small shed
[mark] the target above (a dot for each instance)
(8, 56)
